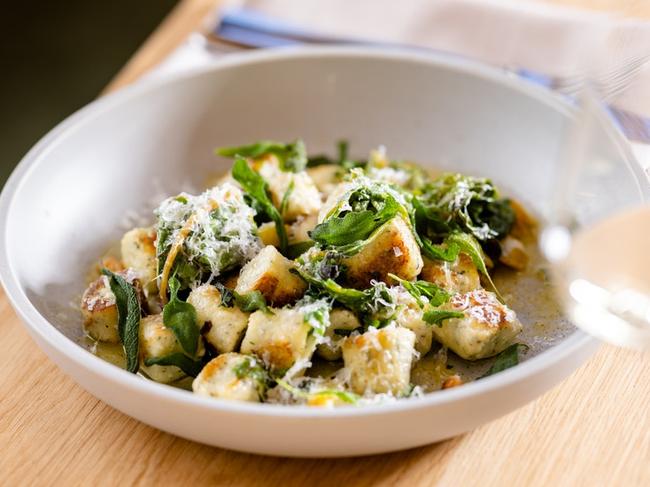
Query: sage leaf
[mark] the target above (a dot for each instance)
(180, 317)
(128, 316)
(190, 366)
(506, 359)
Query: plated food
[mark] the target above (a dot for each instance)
(460, 116)
(316, 280)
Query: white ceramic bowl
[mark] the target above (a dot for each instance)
(67, 198)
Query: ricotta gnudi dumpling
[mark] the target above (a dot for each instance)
(379, 360)
(223, 327)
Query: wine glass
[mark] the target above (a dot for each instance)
(600, 251)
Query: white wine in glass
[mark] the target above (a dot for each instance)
(604, 279)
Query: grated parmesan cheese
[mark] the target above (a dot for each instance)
(222, 233)
(391, 175)
(383, 299)
(98, 293)
(316, 313)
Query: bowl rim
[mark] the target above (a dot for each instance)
(81, 357)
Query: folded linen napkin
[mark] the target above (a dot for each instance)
(528, 34)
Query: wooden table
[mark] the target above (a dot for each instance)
(593, 429)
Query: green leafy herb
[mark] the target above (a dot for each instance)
(375, 305)
(506, 359)
(435, 295)
(316, 313)
(343, 332)
(347, 397)
(193, 247)
(343, 149)
(292, 156)
(437, 316)
(163, 245)
(285, 198)
(180, 317)
(369, 209)
(190, 366)
(352, 298)
(255, 186)
(227, 295)
(248, 302)
(319, 160)
(128, 315)
(296, 250)
(458, 202)
(181, 199)
(455, 243)
(448, 253)
(468, 244)
(351, 227)
(374, 322)
(342, 158)
(249, 368)
(251, 301)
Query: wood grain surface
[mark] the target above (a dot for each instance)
(593, 429)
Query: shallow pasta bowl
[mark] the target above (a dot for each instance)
(68, 200)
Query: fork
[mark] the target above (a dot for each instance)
(251, 30)
(609, 83)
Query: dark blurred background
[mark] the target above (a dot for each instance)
(56, 56)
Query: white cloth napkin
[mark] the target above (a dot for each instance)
(523, 33)
(527, 34)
